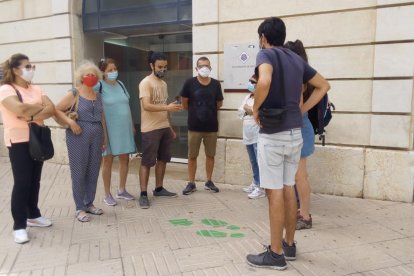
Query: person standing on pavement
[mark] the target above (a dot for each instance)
(202, 96)
(35, 107)
(304, 218)
(281, 75)
(250, 134)
(86, 138)
(118, 118)
(156, 129)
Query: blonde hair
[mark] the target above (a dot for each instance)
(83, 67)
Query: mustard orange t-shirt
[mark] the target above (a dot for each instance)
(16, 130)
(156, 90)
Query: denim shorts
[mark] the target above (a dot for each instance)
(278, 156)
(308, 136)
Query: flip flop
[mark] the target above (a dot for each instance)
(94, 210)
(82, 216)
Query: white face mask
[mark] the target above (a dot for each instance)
(27, 74)
(204, 71)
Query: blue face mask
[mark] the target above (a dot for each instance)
(113, 75)
(251, 87)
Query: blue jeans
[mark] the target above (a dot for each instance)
(252, 151)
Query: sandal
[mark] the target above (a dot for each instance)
(82, 216)
(94, 210)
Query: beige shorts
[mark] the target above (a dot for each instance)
(194, 141)
(278, 156)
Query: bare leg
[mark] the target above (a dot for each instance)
(290, 213)
(209, 167)
(159, 173)
(304, 190)
(107, 173)
(144, 172)
(192, 168)
(123, 171)
(277, 218)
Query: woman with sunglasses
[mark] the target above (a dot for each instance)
(250, 135)
(85, 138)
(34, 106)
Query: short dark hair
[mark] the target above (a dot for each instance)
(298, 48)
(274, 30)
(202, 58)
(154, 56)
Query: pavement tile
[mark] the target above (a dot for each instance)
(192, 235)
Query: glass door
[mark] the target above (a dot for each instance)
(132, 55)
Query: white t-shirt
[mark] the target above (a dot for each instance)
(250, 127)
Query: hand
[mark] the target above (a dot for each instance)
(76, 129)
(173, 107)
(256, 117)
(248, 109)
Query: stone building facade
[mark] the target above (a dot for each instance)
(364, 47)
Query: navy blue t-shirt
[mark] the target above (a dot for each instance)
(202, 104)
(296, 72)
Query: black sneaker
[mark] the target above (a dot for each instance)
(267, 260)
(302, 223)
(191, 188)
(143, 202)
(164, 192)
(289, 251)
(210, 186)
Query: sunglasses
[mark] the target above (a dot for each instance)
(30, 67)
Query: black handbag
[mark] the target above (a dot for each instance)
(273, 118)
(40, 140)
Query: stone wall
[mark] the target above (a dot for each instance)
(365, 49)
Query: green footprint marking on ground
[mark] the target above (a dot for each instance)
(212, 223)
(184, 222)
(211, 233)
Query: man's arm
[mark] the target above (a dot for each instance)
(148, 106)
(184, 102)
(321, 88)
(262, 88)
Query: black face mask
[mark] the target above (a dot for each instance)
(160, 74)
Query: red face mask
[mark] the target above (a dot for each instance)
(90, 81)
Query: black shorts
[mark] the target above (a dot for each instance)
(156, 145)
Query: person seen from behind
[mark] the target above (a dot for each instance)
(281, 75)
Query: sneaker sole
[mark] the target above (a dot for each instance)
(256, 197)
(268, 266)
(211, 190)
(190, 192)
(21, 242)
(30, 224)
(109, 204)
(144, 207)
(165, 195)
(126, 198)
(290, 258)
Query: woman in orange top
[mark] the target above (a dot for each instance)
(34, 107)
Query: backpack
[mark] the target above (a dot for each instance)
(320, 115)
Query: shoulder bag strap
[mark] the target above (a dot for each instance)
(18, 94)
(122, 86)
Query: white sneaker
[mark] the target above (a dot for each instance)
(250, 188)
(39, 222)
(20, 236)
(257, 193)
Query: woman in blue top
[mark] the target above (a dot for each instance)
(304, 218)
(120, 128)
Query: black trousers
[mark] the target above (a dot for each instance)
(25, 194)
